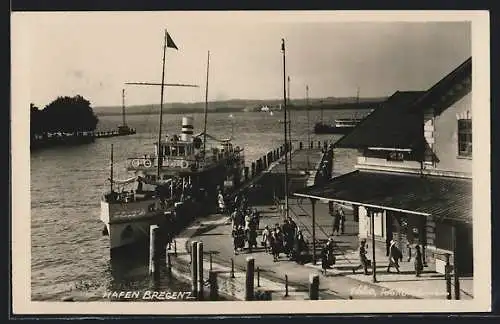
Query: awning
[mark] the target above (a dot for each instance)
(445, 198)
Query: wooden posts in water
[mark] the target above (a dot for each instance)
(214, 289)
(153, 253)
(194, 268)
(249, 284)
(200, 270)
(314, 286)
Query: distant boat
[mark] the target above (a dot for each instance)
(124, 129)
(340, 126)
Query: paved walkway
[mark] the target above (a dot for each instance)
(339, 283)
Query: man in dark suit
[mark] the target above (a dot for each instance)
(394, 256)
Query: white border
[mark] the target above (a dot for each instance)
(21, 270)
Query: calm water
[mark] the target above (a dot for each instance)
(69, 254)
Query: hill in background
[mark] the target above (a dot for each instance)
(237, 105)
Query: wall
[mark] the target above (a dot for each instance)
(445, 137)
(384, 165)
(365, 225)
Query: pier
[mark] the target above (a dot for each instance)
(77, 138)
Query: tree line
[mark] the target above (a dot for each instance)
(65, 115)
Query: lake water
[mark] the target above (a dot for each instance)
(69, 254)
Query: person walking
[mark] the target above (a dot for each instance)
(222, 203)
(419, 264)
(341, 219)
(266, 239)
(364, 262)
(275, 245)
(394, 256)
(336, 223)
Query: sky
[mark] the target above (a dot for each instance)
(94, 54)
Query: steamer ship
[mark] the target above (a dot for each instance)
(171, 185)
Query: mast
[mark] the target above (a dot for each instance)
(206, 108)
(290, 124)
(308, 126)
(285, 122)
(160, 162)
(123, 107)
(111, 171)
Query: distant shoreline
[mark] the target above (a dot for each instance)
(228, 108)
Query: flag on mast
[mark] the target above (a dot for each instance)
(170, 42)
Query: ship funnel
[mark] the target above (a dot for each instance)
(187, 128)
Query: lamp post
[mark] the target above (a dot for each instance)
(374, 263)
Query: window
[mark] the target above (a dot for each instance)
(465, 137)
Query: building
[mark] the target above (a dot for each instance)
(413, 179)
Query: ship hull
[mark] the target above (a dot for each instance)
(128, 223)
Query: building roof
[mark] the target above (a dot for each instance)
(448, 90)
(446, 198)
(392, 125)
(397, 123)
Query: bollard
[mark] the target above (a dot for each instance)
(210, 260)
(313, 286)
(232, 268)
(153, 257)
(249, 288)
(175, 247)
(286, 285)
(200, 270)
(300, 145)
(245, 172)
(311, 145)
(169, 263)
(214, 289)
(194, 268)
(447, 276)
(258, 277)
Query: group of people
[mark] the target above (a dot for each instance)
(287, 239)
(395, 255)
